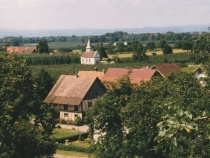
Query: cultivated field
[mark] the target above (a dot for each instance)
(56, 45)
(158, 52)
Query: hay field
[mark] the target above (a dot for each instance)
(158, 52)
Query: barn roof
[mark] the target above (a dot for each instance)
(21, 49)
(98, 74)
(136, 75)
(70, 90)
(166, 69)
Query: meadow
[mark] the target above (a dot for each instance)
(57, 45)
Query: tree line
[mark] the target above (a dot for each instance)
(118, 36)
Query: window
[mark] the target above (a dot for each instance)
(75, 108)
(89, 104)
(65, 114)
(65, 107)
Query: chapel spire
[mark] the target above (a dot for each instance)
(88, 47)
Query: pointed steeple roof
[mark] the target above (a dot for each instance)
(88, 47)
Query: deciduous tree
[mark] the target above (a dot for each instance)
(42, 47)
(19, 105)
(165, 117)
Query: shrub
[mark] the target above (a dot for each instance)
(72, 138)
(167, 49)
(72, 148)
(78, 121)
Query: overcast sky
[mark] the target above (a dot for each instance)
(102, 14)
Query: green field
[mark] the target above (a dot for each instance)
(56, 45)
(63, 133)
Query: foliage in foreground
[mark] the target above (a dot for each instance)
(19, 103)
(165, 117)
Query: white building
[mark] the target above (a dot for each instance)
(89, 57)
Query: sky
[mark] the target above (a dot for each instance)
(101, 14)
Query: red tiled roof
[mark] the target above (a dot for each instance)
(165, 69)
(70, 89)
(88, 54)
(21, 49)
(98, 74)
(136, 75)
(143, 74)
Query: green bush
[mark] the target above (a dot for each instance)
(72, 148)
(72, 138)
(78, 121)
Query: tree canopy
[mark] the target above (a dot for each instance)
(167, 49)
(25, 121)
(42, 46)
(165, 117)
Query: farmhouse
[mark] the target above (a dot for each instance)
(166, 69)
(90, 57)
(136, 75)
(199, 73)
(73, 95)
(21, 49)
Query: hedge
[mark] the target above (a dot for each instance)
(72, 138)
(71, 147)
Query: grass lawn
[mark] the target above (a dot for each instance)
(71, 153)
(190, 68)
(62, 132)
(80, 144)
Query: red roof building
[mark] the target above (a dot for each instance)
(136, 75)
(166, 69)
(98, 74)
(21, 49)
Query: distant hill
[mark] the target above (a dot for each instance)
(87, 32)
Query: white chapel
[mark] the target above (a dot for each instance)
(90, 57)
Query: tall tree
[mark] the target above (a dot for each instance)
(161, 43)
(102, 51)
(150, 45)
(139, 51)
(19, 104)
(201, 49)
(45, 83)
(106, 118)
(167, 49)
(187, 45)
(42, 46)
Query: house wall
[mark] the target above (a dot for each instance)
(95, 91)
(70, 113)
(69, 116)
(198, 74)
(89, 61)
